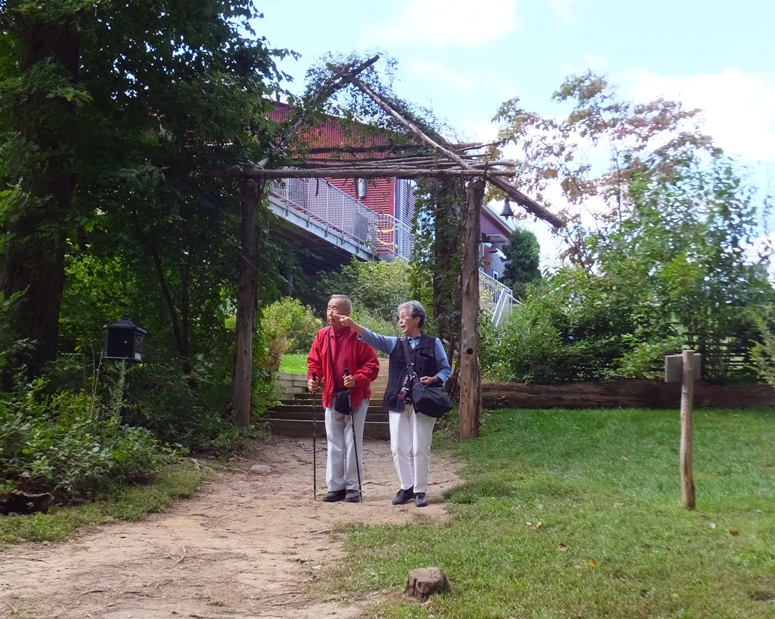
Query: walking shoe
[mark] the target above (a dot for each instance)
(420, 500)
(403, 496)
(335, 495)
(352, 496)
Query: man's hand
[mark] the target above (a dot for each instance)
(429, 380)
(349, 381)
(313, 385)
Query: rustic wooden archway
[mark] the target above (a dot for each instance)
(441, 160)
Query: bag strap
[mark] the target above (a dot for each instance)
(408, 356)
(330, 354)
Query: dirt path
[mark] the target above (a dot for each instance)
(248, 545)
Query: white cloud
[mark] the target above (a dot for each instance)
(437, 70)
(441, 23)
(563, 9)
(594, 62)
(738, 108)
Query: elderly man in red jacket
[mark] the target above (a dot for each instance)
(340, 362)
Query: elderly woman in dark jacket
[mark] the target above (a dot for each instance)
(410, 432)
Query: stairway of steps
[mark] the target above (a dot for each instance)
(293, 416)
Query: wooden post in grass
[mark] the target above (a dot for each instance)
(470, 376)
(685, 368)
(687, 429)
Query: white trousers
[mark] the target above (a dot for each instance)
(410, 437)
(341, 468)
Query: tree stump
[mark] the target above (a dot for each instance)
(423, 582)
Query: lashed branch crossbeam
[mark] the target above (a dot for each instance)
(530, 205)
(400, 161)
(350, 172)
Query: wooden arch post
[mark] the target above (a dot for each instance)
(470, 375)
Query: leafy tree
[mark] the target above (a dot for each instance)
(522, 260)
(111, 114)
(437, 263)
(661, 231)
(593, 154)
(687, 244)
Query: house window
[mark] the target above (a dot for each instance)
(495, 275)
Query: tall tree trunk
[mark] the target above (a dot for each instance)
(247, 304)
(181, 339)
(34, 253)
(470, 376)
(449, 200)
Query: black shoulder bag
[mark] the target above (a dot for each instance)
(431, 400)
(341, 398)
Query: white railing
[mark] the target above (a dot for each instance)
(394, 237)
(330, 207)
(495, 299)
(334, 210)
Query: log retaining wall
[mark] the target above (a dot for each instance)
(623, 394)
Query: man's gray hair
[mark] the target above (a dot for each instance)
(416, 309)
(342, 298)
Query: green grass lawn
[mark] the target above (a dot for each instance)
(578, 514)
(294, 364)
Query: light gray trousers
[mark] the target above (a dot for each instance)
(341, 467)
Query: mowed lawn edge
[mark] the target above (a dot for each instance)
(577, 513)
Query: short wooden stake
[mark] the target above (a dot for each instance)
(687, 430)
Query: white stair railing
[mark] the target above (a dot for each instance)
(495, 299)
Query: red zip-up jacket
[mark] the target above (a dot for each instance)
(361, 361)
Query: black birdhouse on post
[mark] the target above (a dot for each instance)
(124, 340)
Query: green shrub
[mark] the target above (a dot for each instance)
(376, 322)
(531, 348)
(287, 327)
(70, 444)
(186, 409)
(377, 287)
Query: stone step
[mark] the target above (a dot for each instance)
(293, 406)
(290, 425)
(291, 413)
(374, 402)
(296, 384)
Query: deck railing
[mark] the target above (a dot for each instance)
(335, 210)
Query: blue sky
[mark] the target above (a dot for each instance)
(462, 58)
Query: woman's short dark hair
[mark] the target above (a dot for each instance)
(416, 309)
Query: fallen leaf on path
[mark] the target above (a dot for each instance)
(734, 533)
(562, 547)
(592, 563)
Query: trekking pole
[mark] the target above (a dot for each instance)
(355, 444)
(314, 442)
